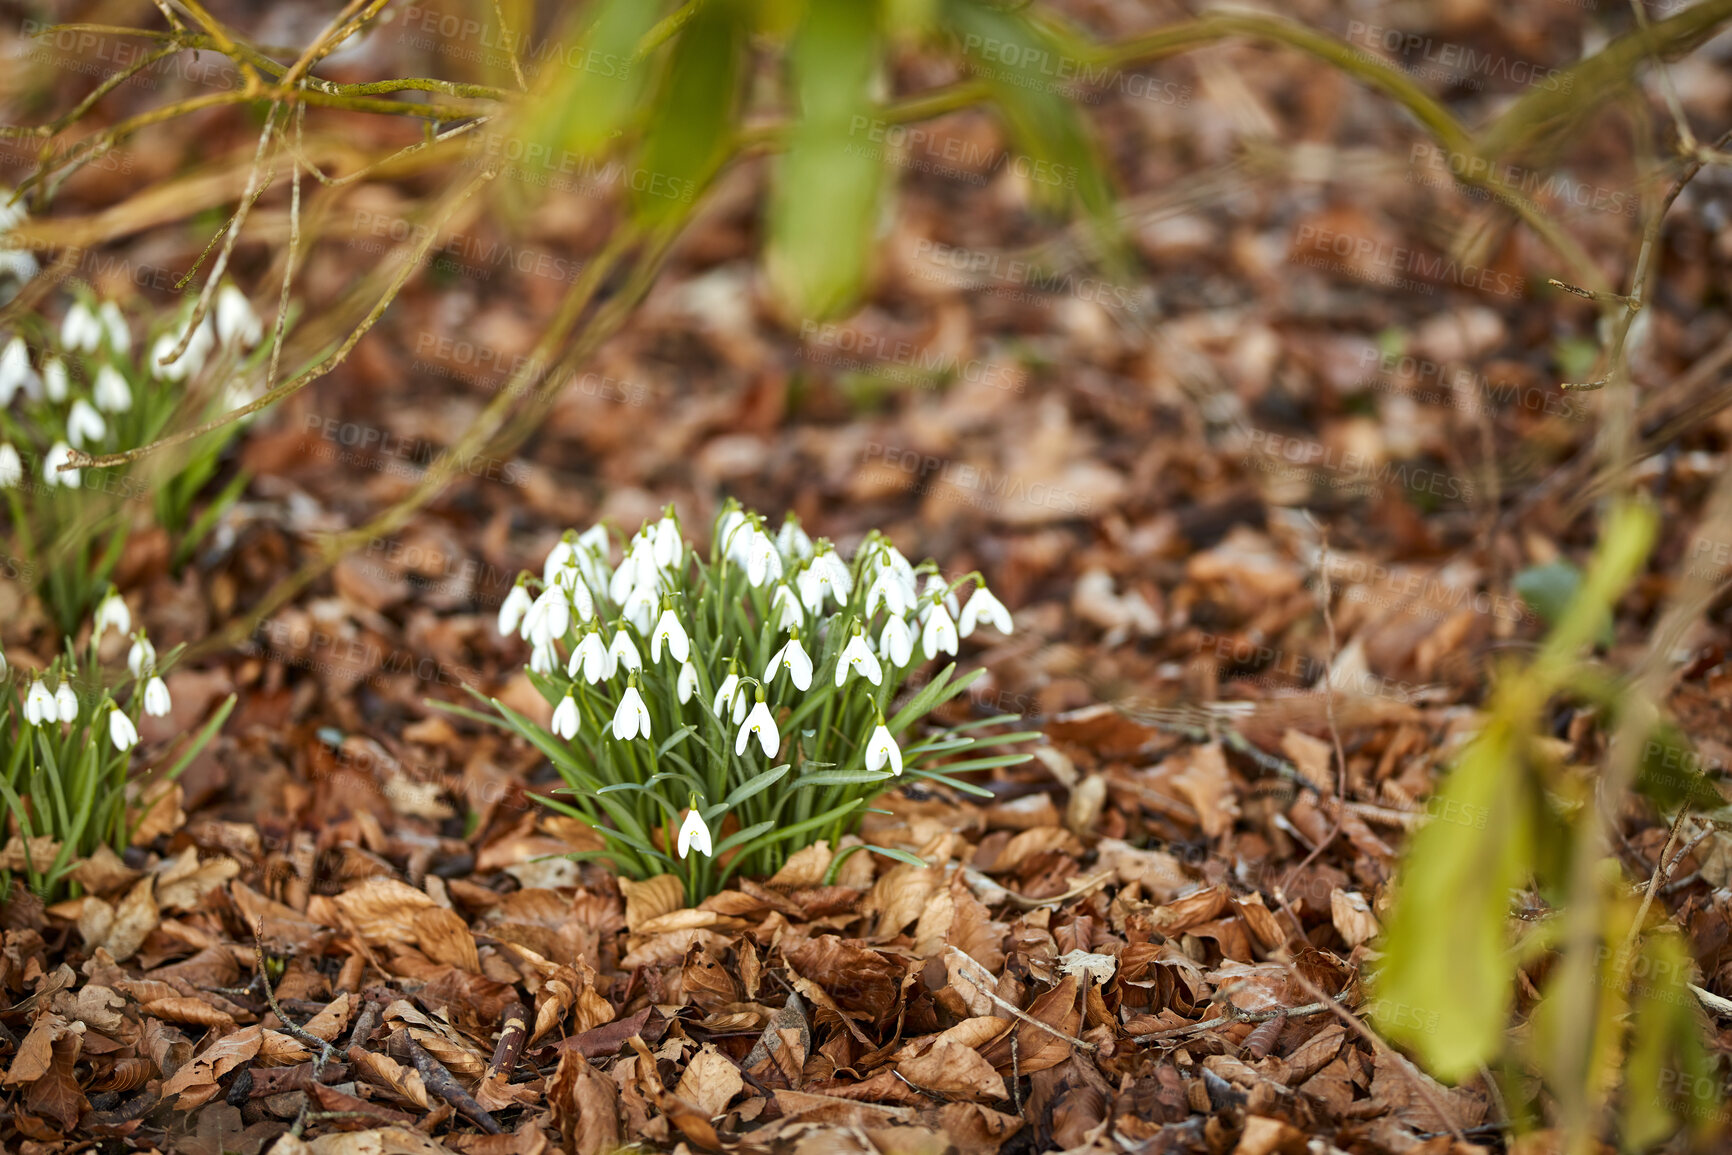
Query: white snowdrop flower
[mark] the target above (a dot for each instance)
(17, 264)
(11, 466)
(632, 718)
(39, 705)
(512, 609)
(236, 323)
(730, 693)
(983, 605)
(688, 683)
(66, 702)
(591, 656)
(694, 835)
(640, 608)
(764, 564)
(762, 723)
(792, 541)
(542, 657)
(622, 653)
(52, 474)
(112, 611)
(549, 617)
(121, 731)
(80, 331)
(84, 422)
(858, 656)
(893, 558)
(896, 643)
(141, 657)
(939, 633)
(15, 371)
(111, 392)
(936, 585)
(115, 327)
(668, 545)
(570, 579)
(156, 700)
(2, 664)
(888, 590)
(592, 554)
(177, 370)
(191, 360)
(733, 535)
(56, 383)
(565, 718)
(834, 570)
(594, 539)
(556, 558)
(785, 609)
(669, 630)
(881, 748)
(791, 657)
(812, 588)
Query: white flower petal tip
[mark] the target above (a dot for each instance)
(156, 700)
(688, 682)
(512, 609)
(565, 718)
(984, 607)
(939, 634)
(121, 731)
(881, 749)
(762, 723)
(791, 657)
(112, 613)
(66, 703)
(669, 630)
(632, 718)
(858, 657)
(39, 705)
(694, 835)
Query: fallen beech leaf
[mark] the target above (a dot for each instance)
(196, 1082)
(954, 1070)
(383, 909)
(382, 1070)
(600, 1042)
(585, 1105)
(899, 896)
(710, 1082)
(804, 868)
(1194, 909)
(35, 1052)
(56, 1093)
(385, 1141)
(651, 898)
(1207, 786)
(1264, 1136)
(1038, 1050)
(444, 937)
(1352, 916)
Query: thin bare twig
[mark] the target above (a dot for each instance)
(1011, 1008)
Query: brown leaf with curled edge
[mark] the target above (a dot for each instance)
(710, 1081)
(19, 856)
(157, 811)
(104, 872)
(953, 1070)
(686, 1116)
(977, 1129)
(384, 1141)
(383, 909)
(282, 927)
(783, 1046)
(585, 1106)
(444, 937)
(183, 882)
(1208, 787)
(1038, 1050)
(1194, 909)
(1352, 916)
(329, 1023)
(1315, 1053)
(1313, 758)
(181, 1009)
(1265, 1136)
(382, 1070)
(1259, 920)
(36, 1052)
(707, 983)
(863, 982)
(1029, 843)
(196, 1082)
(651, 898)
(804, 868)
(899, 896)
(1160, 874)
(56, 1093)
(122, 928)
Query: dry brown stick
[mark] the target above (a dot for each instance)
(1661, 868)
(1015, 1011)
(325, 1052)
(440, 1081)
(1234, 1015)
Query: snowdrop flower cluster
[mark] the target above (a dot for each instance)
(753, 694)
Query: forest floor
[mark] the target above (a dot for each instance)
(1259, 499)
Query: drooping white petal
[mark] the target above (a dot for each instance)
(764, 564)
(935, 584)
(56, 382)
(84, 423)
(236, 323)
(896, 643)
(688, 682)
(512, 609)
(593, 658)
(111, 612)
(982, 605)
(15, 370)
(785, 609)
(622, 652)
(156, 700)
(939, 633)
(858, 657)
(542, 658)
(668, 545)
(565, 718)
(727, 693)
(694, 835)
(888, 589)
(114, 327)
(111, 392)
(792, 541)
(881, 748)
(80, 330)
(549, 617)
(640, 607)
(762, 724)
(632, 718)
(791, 657)
(829, 563)
(66, 702)
(121, 731)
(52, 474)
(11, 466)
(39, 705)
(141, 657)
(669, 630)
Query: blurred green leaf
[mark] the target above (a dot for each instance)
(600, 80)
(827, 183)
(1668, 1075)
(694, 113)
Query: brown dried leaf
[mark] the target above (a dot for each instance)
(585, 1106)
(36, 1052)
(804, 868)
(444, 937)
(56, 1093)
(1352, 916)
(953, 1070)
(651, 898)
(1208, 787)
(383, 1071)
(1038, 1050)
(710, 1081)
(384, 910)
(196, 1082)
